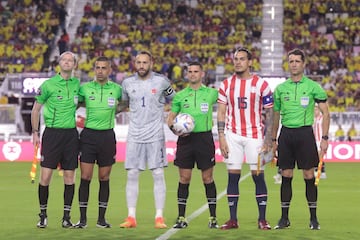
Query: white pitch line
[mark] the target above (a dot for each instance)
(197, 213)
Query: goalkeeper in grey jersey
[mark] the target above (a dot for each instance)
(146, 93)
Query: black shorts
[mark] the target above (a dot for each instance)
(196, 148)
(297, 145)
(98, 146)
(60, 146)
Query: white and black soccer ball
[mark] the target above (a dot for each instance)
(184, 123)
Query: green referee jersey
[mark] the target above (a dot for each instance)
(100, 102)
(60, 99)
(295, 101)
(199, 104)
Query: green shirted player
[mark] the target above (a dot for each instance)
(198, 103)
(101, 102)
(198, 146)
(294, 101)
(60, 141)
(97, 140)
(60, 99)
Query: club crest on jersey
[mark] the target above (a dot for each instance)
(76, 99)
(153, 91)
(253, 89)
(59, 97)
(91, 97)
(204, 107)
(111, 101)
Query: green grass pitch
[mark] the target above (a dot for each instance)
(338, 207)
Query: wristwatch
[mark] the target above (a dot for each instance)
(325, 137)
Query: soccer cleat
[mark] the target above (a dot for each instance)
(213, 222)
(43, 221)
(180, 223)
(80, 224)
(230, 225)
(314, 225)
(130, 222)
(160, 223)
(66, 223)
(103, 224)
(264, 225)
(283, 223)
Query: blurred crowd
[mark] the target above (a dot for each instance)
(27, 34)
(173, 31)
(329, 32)
(177, 32)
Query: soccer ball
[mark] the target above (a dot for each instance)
(184, 123)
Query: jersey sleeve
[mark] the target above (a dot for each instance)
(267, 96)
(320, 94)
(176, 104)
(222, 98)
(42, 94)
(81, 94)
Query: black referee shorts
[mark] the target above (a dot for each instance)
(196, 148)
(98, 146)
(297, 145)
(60, 146)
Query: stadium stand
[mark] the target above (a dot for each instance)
(179, 31)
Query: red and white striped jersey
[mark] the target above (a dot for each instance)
(245, 99)
(317, 127)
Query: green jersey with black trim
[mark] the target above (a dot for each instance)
(101, 102)
(60, 99)
(199, 104)
(296, 100)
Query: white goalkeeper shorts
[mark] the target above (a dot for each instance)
(141, 155)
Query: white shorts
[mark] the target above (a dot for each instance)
(142, 155)
(242, 150)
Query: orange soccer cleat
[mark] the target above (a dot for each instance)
(130, 222)
(160, 223)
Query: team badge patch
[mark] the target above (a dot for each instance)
(204, 107)
(304, 101)
(111, 101)
(76, 99)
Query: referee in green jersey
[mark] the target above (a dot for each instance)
(97, 141)
(198, 146)
(60, 140)
(294, 101)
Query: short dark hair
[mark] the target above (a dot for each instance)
(299, 52)
(194, 63)
(102, 59)
(243, 49)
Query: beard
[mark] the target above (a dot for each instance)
(239, 73)
(143, 74)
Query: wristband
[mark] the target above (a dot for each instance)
(35, 131)
(325, 137)
(274, 139)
